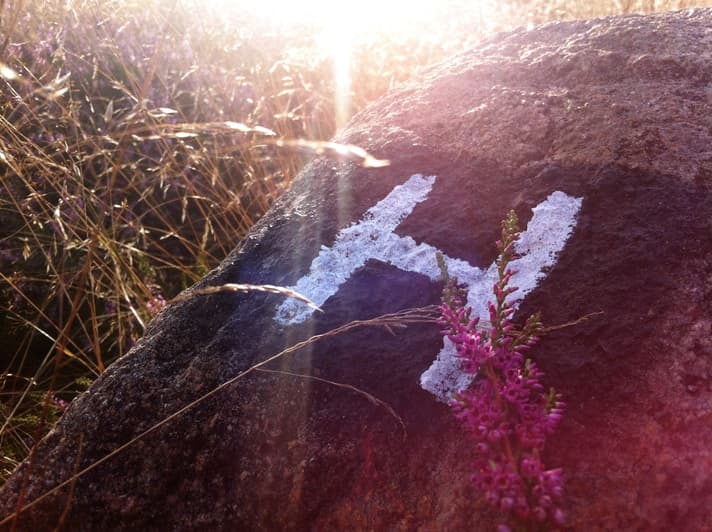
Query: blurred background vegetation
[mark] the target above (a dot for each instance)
(135, 152)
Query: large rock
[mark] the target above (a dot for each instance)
(605, 127)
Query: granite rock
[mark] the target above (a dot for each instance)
(615, 112)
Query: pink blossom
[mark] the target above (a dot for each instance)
(505, 411)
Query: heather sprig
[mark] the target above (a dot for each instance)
(506, 411)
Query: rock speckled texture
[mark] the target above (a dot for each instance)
(616, 111)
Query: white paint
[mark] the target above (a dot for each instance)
(550, 227)
(373, 237)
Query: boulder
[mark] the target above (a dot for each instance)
(599, 135)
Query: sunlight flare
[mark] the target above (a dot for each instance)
(340, 29)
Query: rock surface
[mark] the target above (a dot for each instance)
(616, 112)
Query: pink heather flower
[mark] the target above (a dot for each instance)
(157, 301)
(505, 411)
(155, 305)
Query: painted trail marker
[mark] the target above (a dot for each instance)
(538, 246)
(373, 237)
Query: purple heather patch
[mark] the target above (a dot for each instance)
(506, 410)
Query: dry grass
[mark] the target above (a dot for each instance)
(139, 142)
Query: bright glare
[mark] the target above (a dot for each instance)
(360, 16)
(338, 25)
